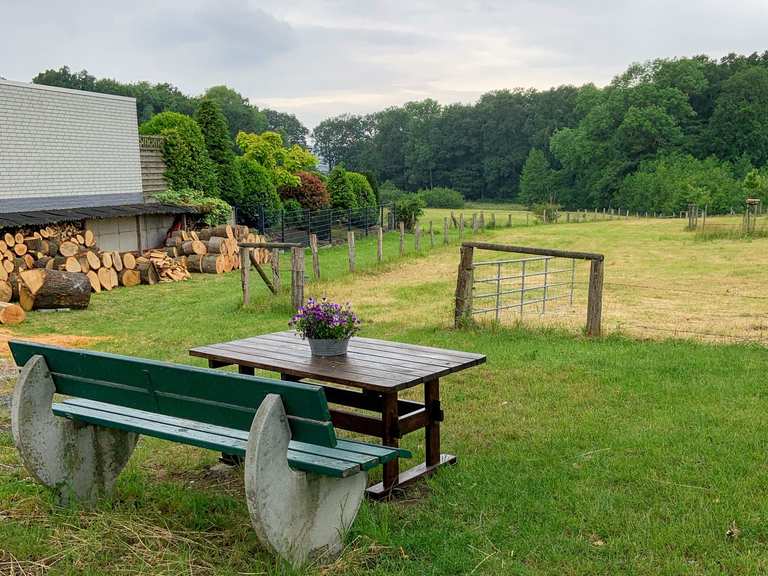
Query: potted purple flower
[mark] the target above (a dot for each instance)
(328, 326)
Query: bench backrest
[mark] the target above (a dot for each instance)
(200, 394)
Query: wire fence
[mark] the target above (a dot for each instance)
(330, 225)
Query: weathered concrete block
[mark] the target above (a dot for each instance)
(76, 460)
(299, 516)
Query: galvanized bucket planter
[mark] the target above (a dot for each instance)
(325, 347)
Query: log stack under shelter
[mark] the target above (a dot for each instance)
(59, 266)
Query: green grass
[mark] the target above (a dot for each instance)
(615, 456)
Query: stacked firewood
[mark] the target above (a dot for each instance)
(212, 250)
(58, 266)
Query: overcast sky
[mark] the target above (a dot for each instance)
(322, 58)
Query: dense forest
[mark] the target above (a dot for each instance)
(659, 135)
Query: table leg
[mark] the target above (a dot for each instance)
(434, 416)
(390, 437)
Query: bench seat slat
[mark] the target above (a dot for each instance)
(367, 455)
(301, 455)
(384, 453)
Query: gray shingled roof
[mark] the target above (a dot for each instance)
(43, 217)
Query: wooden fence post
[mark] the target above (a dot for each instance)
(461, 228)
(315, 256)
(493, 219)
(595, 298)
(417, 237)
(474, 223)
(351, 245)
(509, 220)
(445, 231)
(245, 275)
(463, 310)
(297, 277)
(482, 221)
(431, 235)
(275, 261)
(380, 245)
(402, 238)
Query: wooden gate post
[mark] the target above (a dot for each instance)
(431, 235)
(315, 256)
(595, 298)
(463, 311)
(351, 245)
(297, 277)
(245, 275)
(275, 261)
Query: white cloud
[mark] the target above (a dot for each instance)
(319, 58)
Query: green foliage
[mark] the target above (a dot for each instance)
(442, 197)
(669, 183)
(241, 115)
(151, 99)
(283, 163)
(310, 193)
(185, 154)
(538, 180)
(213, 125)
(546, 212)
(215, 210)
(739, 123)
(755, 185)
(389, 193)
(259, 190)
(340, 190)
(288, 126)
(409, 209)
(362, 189)
(293, 212)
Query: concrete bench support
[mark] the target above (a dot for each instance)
(300, 516)
(77, 461)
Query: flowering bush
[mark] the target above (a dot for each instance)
(325, 320)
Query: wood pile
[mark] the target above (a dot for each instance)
(58, 266)
(212, 250)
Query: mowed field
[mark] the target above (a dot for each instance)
(631, 454)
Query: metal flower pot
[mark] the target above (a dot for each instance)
(325, 347)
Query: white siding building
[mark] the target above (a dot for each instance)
(68, 155)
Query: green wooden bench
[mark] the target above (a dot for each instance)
(303, 484)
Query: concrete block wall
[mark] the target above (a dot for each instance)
(64, 148)
(122, 234)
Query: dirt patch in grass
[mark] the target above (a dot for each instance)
(66, 340)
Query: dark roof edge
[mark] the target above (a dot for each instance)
(44, 217)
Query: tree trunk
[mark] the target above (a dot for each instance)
(11, 313)
(130, 277)
(50, 289)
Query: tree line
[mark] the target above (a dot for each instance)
(222, 151)
(152, 99)
(660, 135)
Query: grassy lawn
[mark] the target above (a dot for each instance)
(618, 456)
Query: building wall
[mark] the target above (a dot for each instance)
(123, 233)
(152, 165)
(64, 148)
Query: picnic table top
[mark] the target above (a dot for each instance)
(370, 364)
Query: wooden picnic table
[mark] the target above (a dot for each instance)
(380, 369)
